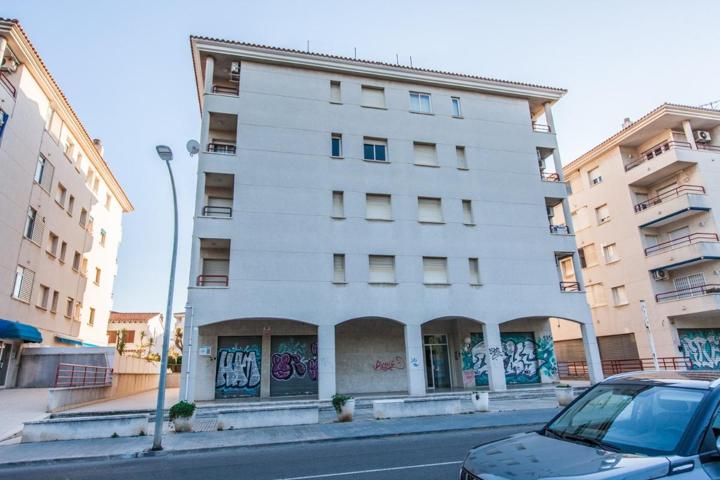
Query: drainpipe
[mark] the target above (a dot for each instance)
(188, 327)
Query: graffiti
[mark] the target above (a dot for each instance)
(495, 353)
(701, 347)
(237, 369)
(294, 365)
(397, 363)
(414, 362)
(545, 353)
(520, 363)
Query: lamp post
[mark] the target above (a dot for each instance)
(165, 154)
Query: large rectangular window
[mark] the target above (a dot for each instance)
(588, 256)
(22, 289)
(336, 145)
(338, 204)
(381, 269)
(430, 210)
(44, 171)
(378, 207)
(420, 102)
(425, 154)
(375, 149)
(373, 96)
(435, 270)
(338, 268)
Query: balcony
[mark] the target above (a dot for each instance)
(683, 252)
(219, 195)
(5, 81)
(222, 133)
(215, 263)
(570, 287)
(212, 281)
(670, 194)
(680, 203)
(560, 229)
(658, 162)
(541, 128)
(686, 293)
(225, 89)
(226, 148)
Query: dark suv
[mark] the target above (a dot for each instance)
(637, 425)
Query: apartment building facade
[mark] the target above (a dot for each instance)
(645, 206)
(139, 333)
(60, 222)
(363, 228)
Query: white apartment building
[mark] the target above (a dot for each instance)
(60, 221)
(363, 228)
(140, 332)
(645, 206)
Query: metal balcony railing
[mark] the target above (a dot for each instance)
(217, 211)
(72, 375)
(708, 289)
(224, 90)
(539, 127)
(569, 287)
(655, 151)
(674, 193)
(6, 82)
(221, 148)
(560, 229)
(681, 241)
(212, 281)
(550, 176)
(579, 369)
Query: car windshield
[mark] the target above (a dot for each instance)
(643, 419)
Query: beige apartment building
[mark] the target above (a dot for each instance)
(60, 216)
(645, 205)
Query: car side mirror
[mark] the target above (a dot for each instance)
(717, 444)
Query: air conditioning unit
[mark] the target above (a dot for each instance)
(702, 136)
(204, 351)
(660, 275)
(235, 72)
(9, 66)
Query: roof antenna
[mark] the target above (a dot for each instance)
(397, 59)
(355, 48)
(411, 61)
(308, 46)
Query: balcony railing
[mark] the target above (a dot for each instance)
(675, 192)
(560, 229)
(212, 281)
(224, 90)
(539, 127)
(569, 287)
(72, 375)
(707, 146)
(579, 369)
(550, 176)
(221, 148)
(217, 211)
(656, 151)
(709, 289)
(6, 81)
(681, 241)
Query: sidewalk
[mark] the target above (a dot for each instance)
(130, 447)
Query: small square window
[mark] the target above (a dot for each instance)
(594, 177)
(373, 96)
(435, 270)
(602, 213)
(381, 269)
(375, 149)
(425, 154)
(430, 210)
(619, 295)
(378, 207)
(336, 145)
(610, 253)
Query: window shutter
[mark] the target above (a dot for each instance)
(38, 229)
(435, 270)
(378, 207)
(373, 97)
(590, 255)
(335, 92)
(467, 212)
(339, 268)
(425, 154)
(219, 202)
(26, 284)
(679, 233)
(430, 210)
(215, 267)
(474, 271)
(47, 176)
(382, 269)
(338, 205)
(461, 160)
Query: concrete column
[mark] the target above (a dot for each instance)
(592, 353)
(687, 128)
(549, 116)
(415, 359)
(494, 357)
(568, 216)
(326, 362)
(209, 72)
(578, 270)
(266, 363)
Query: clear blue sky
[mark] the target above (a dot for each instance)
(126, 68)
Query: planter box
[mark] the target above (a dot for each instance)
(78, 428)
(415, 407)
(271, 416)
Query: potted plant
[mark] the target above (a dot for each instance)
(481, 401)
(564, 394)
(182, 415)
(344, 407)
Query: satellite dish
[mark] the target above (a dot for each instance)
(193, 147)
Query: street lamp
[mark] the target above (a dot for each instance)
(165, 154)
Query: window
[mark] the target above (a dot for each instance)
(69, 148)
(44, 297)
(372, 96)
(83, 217)
(461, 160)
(378, 207)
(53, 246)
(651, 240)
(98, 273)
(55, 125)
(69, 307)
(678, 233)
(619, 295)
(90, 176)
(3, 121)
(688, 286)
(83, 266)
(33, 228)
(575, 185)
(103, 237)
(602, 213)
(129, 336)
(467, 212)
(435, 270)
(77, 258)
(425, 154)
(55, 300)
(96, 185)
(610, 253)
(108, 201)
(588, 256)
(336, 145)
(43, 173)
(382, 269)
(375, 149)
(338, 268)
(112, 337)
(338, 204)
(567, 268)
(70, 205)
(22, 290)
(91, 317)
(430, 210)
(420, 102)
(474, 266)
(456, 110)
(581, 218)
(63, 251)
(61, 194)
(335, 92)
(594, 176)
(596, 295)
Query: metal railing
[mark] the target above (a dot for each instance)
(224, 89)
(6, 81)
(73, 375)
(579, 369)
(656, 151)
(221, 148)
(213, 210)
(560, 229)
(674, 193)
(569, 287)
(707, 289)
(706, 146)
(550, 176)
(542, 128)
(212, 280)
(680, 241)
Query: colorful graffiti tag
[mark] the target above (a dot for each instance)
(702, 347)
(294, 365)
(238, 367)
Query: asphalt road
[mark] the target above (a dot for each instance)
(416, 457)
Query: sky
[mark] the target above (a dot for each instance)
(126, 68)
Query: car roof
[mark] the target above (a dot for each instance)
(699, 379)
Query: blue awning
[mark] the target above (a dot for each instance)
(72, 341)
(19, 331)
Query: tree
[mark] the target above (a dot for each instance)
(120, 345)
(179, 338)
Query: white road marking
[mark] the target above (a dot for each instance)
(374, 470)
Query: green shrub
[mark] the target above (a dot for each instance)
(338, 401)
(182, 409)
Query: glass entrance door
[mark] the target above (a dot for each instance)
(437, 362)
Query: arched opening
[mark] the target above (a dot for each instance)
(370, 356)
(528, 351)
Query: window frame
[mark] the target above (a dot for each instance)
(386, 200)
(336, 137)
(425, 145)
(420, 95)
(339, 277)
(340, 204)
(392, 281)
(364, 88)
(426, 270)
(456, 100)
(338, 84)
(614, 292)
(420, 201)
(375, 143)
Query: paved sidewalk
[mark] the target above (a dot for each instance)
(21, 405)
(140, 401)
(129, 447)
